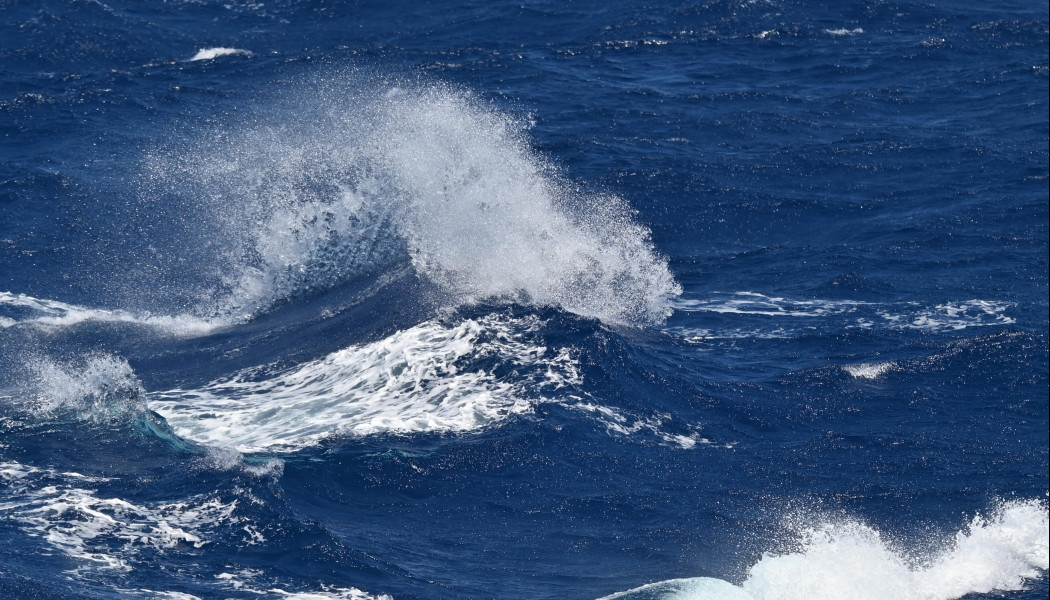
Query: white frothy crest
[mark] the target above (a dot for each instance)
(842, 31)
(489, 219)
(852, 560)
(342, 181)
(869, 370)
(408, 382)
(213, 53)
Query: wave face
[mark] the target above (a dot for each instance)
(412, 381)
(352, 176)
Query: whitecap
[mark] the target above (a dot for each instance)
(97, 387)
(347, 179)
(848, 559)
(213, 53)
(842, 31)
(869, 370)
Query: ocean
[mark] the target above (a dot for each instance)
(709, 300)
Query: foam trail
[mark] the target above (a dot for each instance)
(949, 316)
(51, 315)
(342, 179)
(408, 382)
(104, 533)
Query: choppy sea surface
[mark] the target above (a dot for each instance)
(724, 300)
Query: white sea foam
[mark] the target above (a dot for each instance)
(334, 593)
(242, 581)
(949, 316)
(836, 560)
(853, 560)
(869, 370)
(408, 382)
(754, 303)
(51, 315)
(957, 315)
(213, 53)
(352, 178)
(103, 532)
(842, 31)
(616, 421)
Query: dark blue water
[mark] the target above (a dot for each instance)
(732, 300)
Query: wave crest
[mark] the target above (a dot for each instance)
(342, 179)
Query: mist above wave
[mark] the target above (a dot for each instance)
(97, 387)
(338, 179)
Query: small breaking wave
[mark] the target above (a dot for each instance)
(213, 53)
(842, 31)
(848, 559)
(869, 370)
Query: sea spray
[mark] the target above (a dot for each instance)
(348, 177)
(97, 387)
(848, 559)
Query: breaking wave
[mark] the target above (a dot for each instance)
(848, 559)
(343, 179)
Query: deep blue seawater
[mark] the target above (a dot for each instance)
(689, 300)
